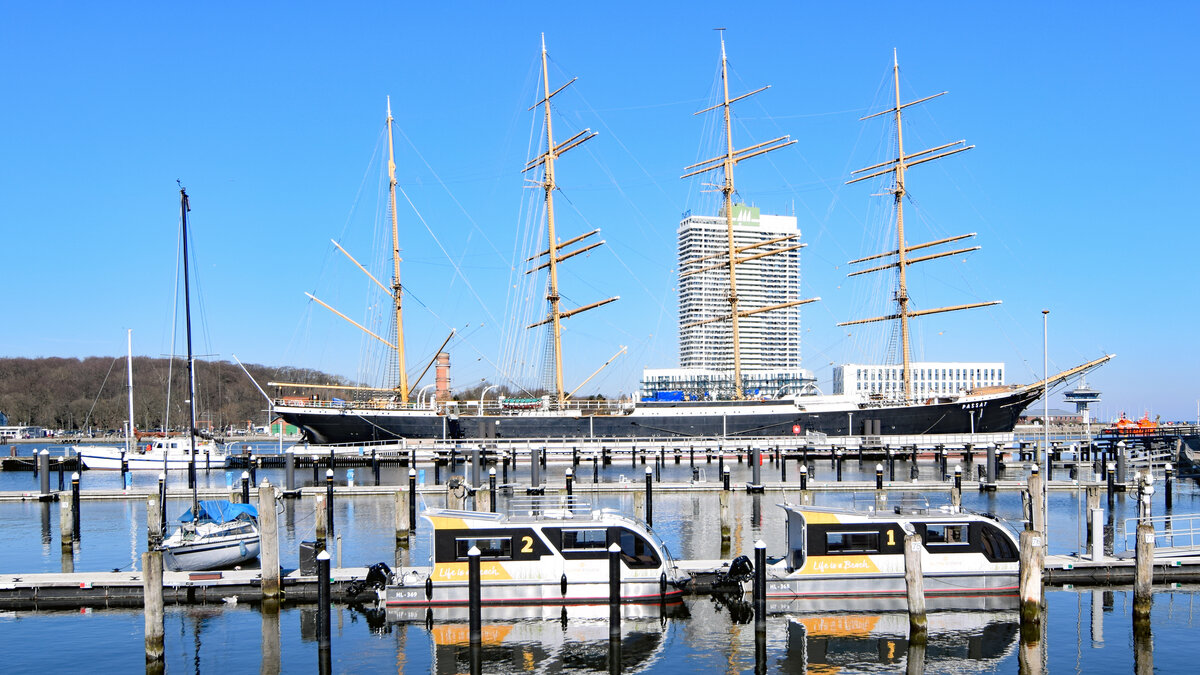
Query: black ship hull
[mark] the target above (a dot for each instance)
(990, 414)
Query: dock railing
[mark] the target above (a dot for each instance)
(1174, 535)
(548, 507)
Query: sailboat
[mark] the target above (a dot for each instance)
(211, 534)
(161, 454)
(729, 411)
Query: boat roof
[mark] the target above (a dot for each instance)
(536, 511)
(896, 513)
(220, 511)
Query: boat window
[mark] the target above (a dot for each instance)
(489, 547)
(584, 540)
(946, 533)
(996, 546)
(636, 551)
(852, 542)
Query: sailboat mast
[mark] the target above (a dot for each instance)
(902, 258)
(184, 207)
(548, 186)
(397, 289)
(129, 373)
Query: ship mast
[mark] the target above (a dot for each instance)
(897, 168)
(553, 258)
(726, 162)
(397, 289)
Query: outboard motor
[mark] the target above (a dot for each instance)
(378, 577)
(728, 589)
(740, 571)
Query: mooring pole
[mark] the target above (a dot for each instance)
(492, 495)
(474, 597)
(152, 594)
(1031, 577)
(649, 497)
(323, 603)
(914, 581)
(75, 534)
(614, 590)
(760, 586)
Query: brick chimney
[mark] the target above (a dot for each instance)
(443, 376)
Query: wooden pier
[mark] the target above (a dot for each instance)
(103, 590)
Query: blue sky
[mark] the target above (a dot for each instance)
(271, 114)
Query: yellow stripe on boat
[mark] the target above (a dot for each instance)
(447, 523)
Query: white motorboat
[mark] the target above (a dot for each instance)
(544, 551)
(225, 534)
(842, 558)
(163, 454)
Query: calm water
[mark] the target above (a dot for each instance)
(1087, 630)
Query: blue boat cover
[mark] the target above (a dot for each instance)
(220, 511)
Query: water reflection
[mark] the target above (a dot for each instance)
(958, 642)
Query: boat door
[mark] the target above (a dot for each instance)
(797, 539)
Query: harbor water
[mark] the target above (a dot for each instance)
(1086, 629)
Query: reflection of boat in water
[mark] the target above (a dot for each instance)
(842, 559)
(542, 551)
(538, 646)
(960, 642)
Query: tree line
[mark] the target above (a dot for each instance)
(91, 393)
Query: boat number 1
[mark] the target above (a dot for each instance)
(528, 547)
(891, 537)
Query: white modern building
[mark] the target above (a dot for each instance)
(928, 378)
(769, 340)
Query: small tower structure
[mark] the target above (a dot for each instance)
(1083, 396)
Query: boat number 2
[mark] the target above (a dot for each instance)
(528, 547)
(891, 537)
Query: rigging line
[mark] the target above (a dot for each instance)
(174, 320)
(453, 198)
(648, 106)
(89, 413)
(457, 269)
(628, 152)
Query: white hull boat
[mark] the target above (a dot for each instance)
(225, 535)
(151, 456)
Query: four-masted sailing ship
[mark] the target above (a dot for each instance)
(389, 415)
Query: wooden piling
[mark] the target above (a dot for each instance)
(268, 529)
(1143, 572)
(154, 534)
(914, 582)
(1037, 503)
(66, 524)
(320, 514)
(1031, 577)
(956, 490)
(152, 590)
